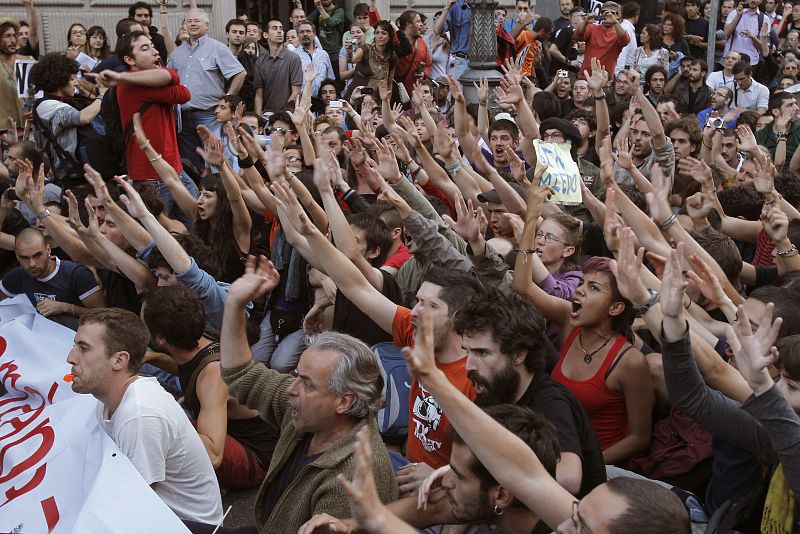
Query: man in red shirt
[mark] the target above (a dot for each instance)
(604, 41)
(411, 66)
(146, 83)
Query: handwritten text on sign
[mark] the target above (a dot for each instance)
(562, 171)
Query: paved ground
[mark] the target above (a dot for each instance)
(242, 512)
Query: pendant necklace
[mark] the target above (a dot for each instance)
(587, 356)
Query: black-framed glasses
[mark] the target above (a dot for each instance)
(292, 159)
(278, 129)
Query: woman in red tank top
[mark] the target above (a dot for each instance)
(598, 364)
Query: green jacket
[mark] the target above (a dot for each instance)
(315, 489)
(766, 138)
(330, 30)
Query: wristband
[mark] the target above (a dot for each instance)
(599, 98)
(454, 168)
(156, 158)
(525, 253)
(781, 137)
(246, 163)
(655, 298)
(669, 222)
(791, 251)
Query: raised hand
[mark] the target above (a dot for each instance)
(254, 150)
(658, 201)
(233, 138)
(673, 285)
(323, 174)
(402, 153)
(627, 268)
(699, 171)
(420, 359)
(755, 352)
(623, 155)
(598, 78)
(364, 501)
(612, 223)
(775, 222)
(704, 279)
(537, 195)
(455, 89)
(91, 231)
(482, 88)
(443, 144)
(387, 163)
(516, 163)
(746, 141)
(392, 197)
(214, 152)
(764, 182)
(698, 206)
(384, 90)
(468, 223)
(260, 276)
(132, 200)
(96, 181)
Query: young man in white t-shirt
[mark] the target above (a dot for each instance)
(143, 420)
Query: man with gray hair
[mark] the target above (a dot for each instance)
(318, 410)
(206, 66)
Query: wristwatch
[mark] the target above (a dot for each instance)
(654, 299)
(43, 215)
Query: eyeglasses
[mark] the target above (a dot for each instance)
(549, 238)
(292, 159)
(278, 129)
(552, 136)
(78, 32)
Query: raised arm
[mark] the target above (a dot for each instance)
(509, 460)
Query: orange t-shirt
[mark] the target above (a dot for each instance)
(428, 428)
(527, 44)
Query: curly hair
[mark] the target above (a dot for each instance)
(678, 25)
(175, 313)
(217, 230)
(52, 72)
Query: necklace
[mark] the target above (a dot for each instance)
(587, 356)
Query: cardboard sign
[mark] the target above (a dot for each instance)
(22, 72)
(562, 171)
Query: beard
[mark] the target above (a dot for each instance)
(501, 389)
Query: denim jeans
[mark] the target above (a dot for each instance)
(169, 203)
(188, 140)
(281, 355)
(457, 67)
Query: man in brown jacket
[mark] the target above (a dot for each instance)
(318, 410)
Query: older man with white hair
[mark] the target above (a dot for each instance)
(204, 65)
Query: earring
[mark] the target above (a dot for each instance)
(498, 511)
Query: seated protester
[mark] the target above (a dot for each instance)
(364, 239)
(764, 423)
(237, 441)
(587, 126)
(182, 259)
(59, 114)
(649, 145)
(779, 104)
(748, 93)
(443, 292)
(114, 62)
(145, 422)
(619, 505)
(61, 290)
(317, 413)
(474, 496)
(507, 362)
(610, 378)
(398, 253)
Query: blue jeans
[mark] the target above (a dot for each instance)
(170, 208)
(457, 67)
(188, 140)
(280, 355)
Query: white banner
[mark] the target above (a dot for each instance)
(22, 72)
(562, 171)
(59, 471)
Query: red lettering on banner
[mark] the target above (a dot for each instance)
(30, 404)
(51, 514)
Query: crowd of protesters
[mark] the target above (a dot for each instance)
(301, 260)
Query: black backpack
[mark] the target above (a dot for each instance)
(118, 136)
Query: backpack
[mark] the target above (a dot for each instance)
(92, 146)
(393, 418)
(117, 135)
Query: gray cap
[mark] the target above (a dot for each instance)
(610, 6)
(493, 197)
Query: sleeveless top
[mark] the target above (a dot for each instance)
(606, 408)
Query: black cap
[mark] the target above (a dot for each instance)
(564, 126)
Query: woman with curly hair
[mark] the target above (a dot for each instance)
(674, 28)
(61, 111)
(98, 43)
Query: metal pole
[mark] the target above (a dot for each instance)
(712, 35)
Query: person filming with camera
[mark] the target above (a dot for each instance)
(719, 113)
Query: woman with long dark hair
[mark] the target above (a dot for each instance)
(98, 43)
(377, 61)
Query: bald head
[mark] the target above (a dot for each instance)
(29, 237)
